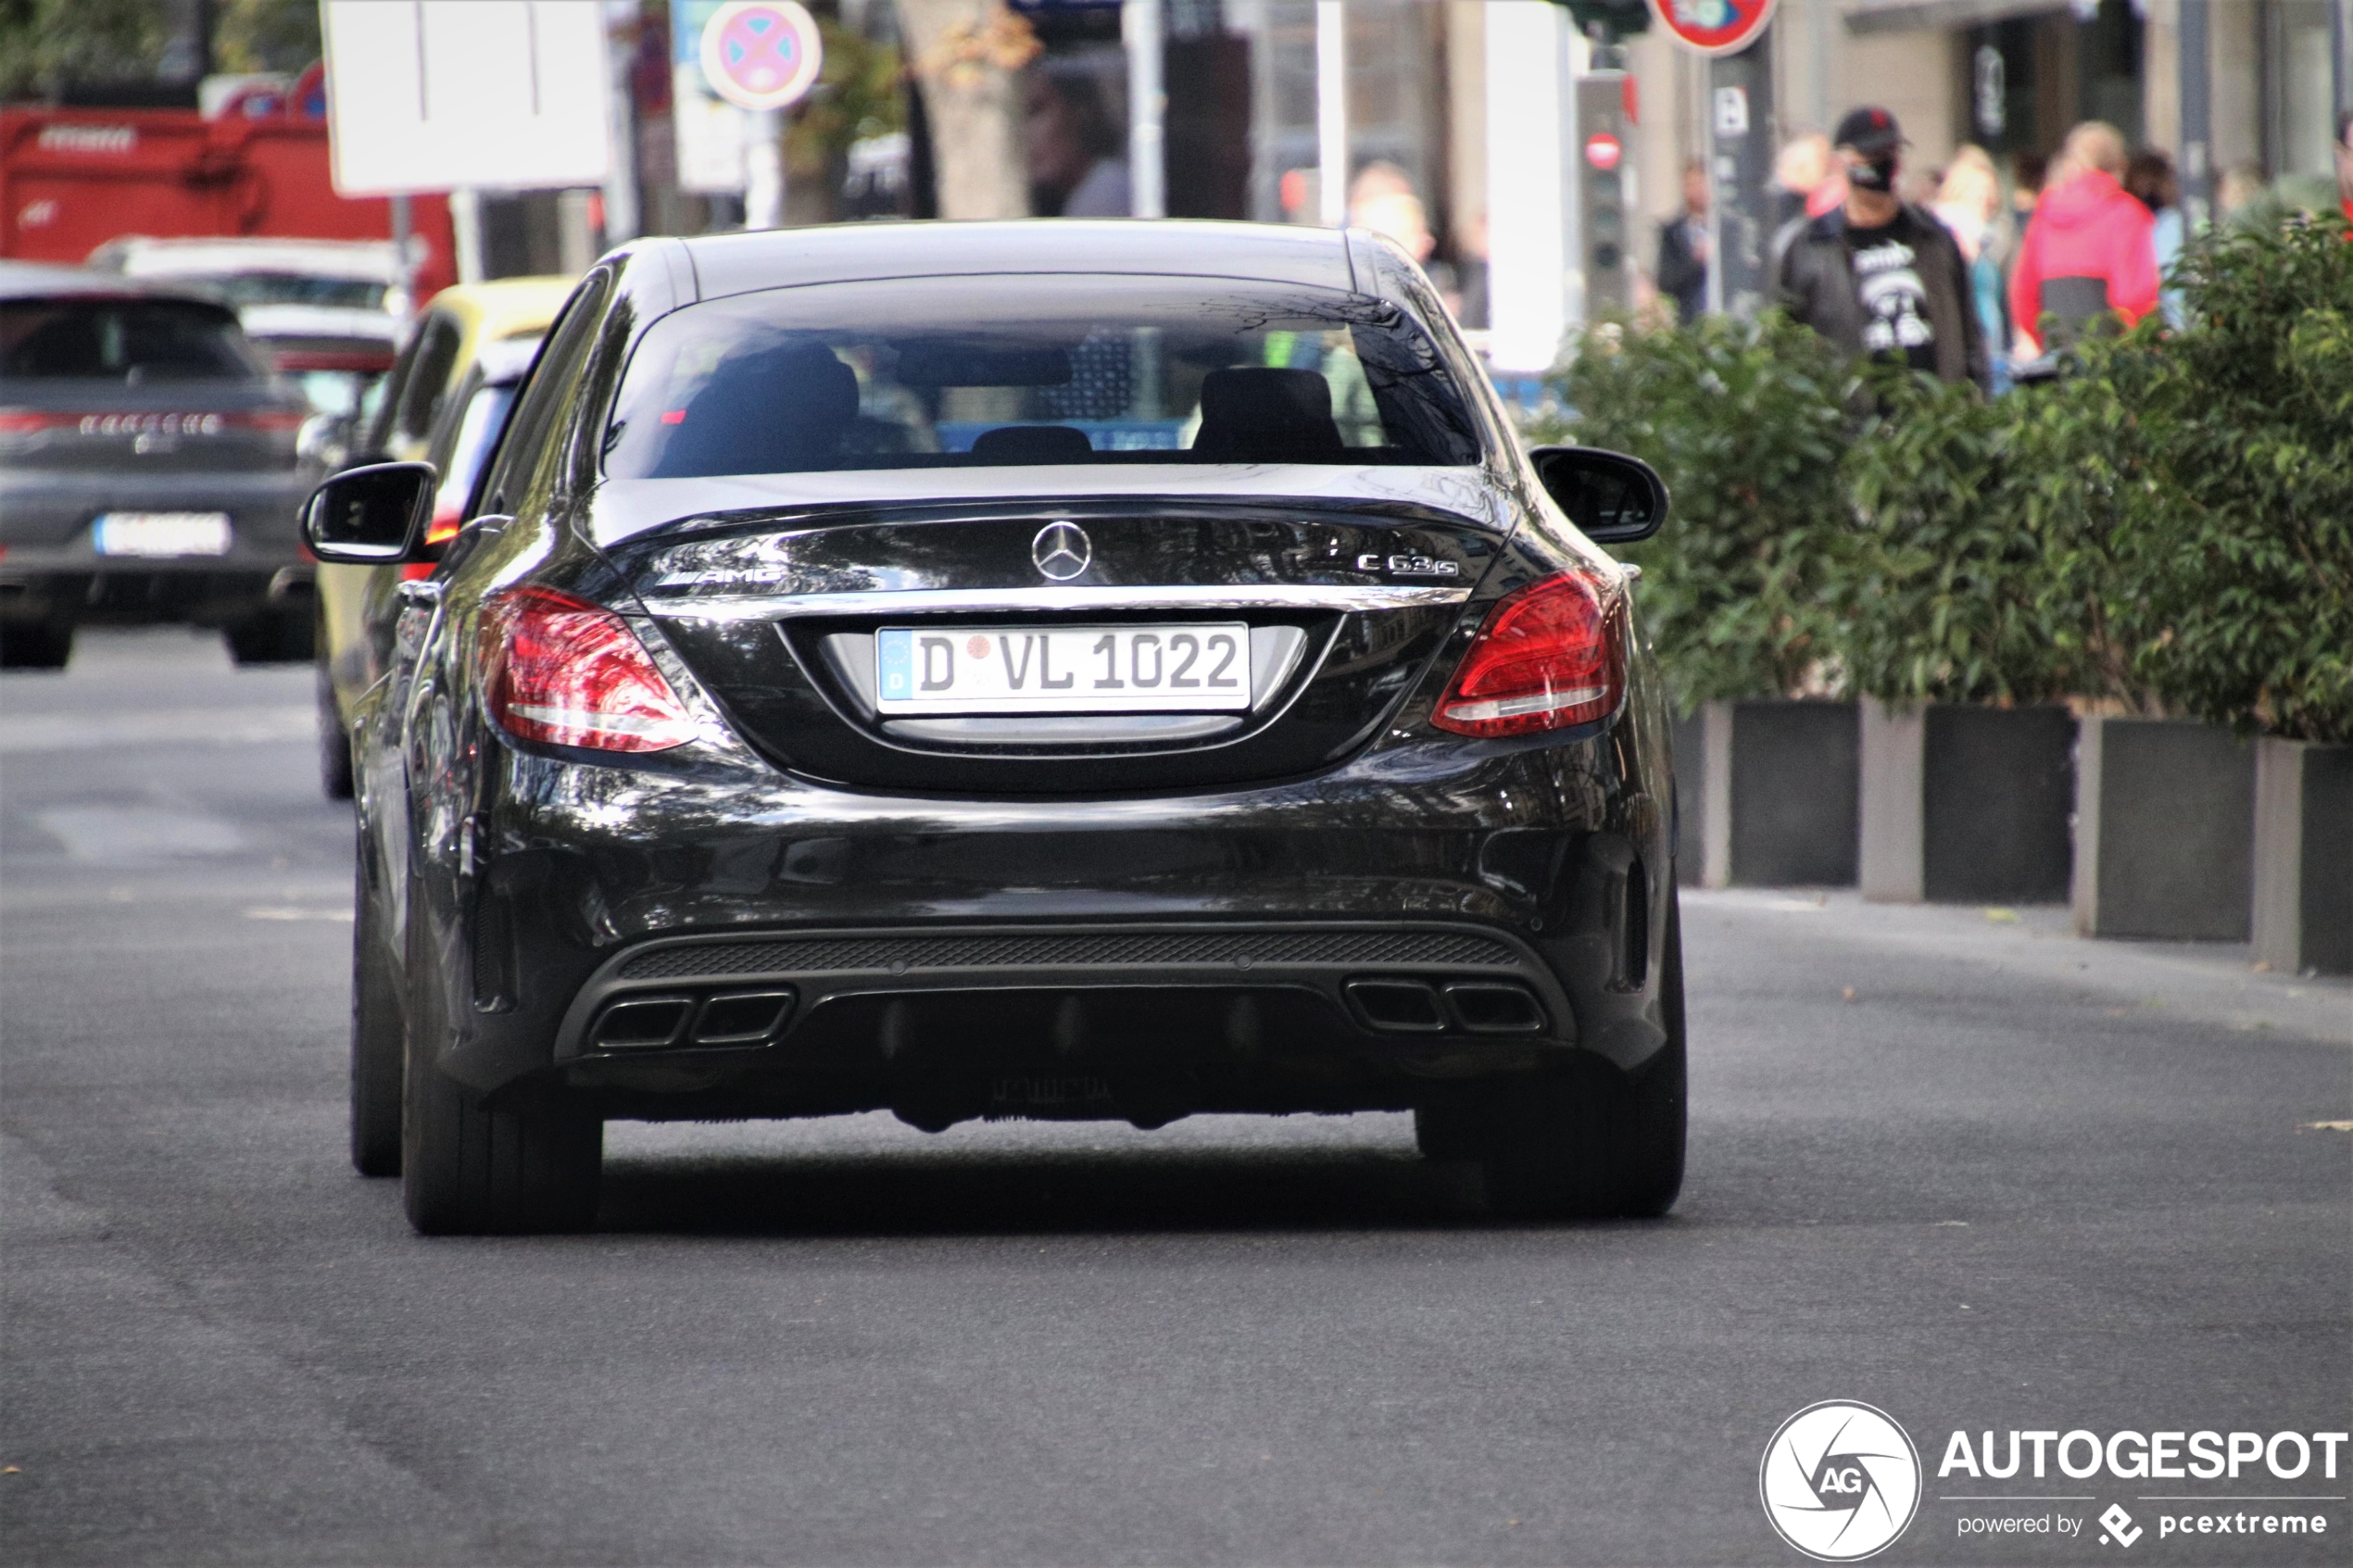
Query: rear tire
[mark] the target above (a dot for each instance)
(334, 743)
(35, 644)
(377, 1044)
(471, 1166)
(270, 636)
(1590, 1143)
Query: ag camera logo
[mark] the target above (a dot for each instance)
(1840, 1481)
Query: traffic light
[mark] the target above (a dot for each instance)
(1616, 19)
(1602, 220)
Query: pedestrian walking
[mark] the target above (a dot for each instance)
(2149, 179)
(1878, 275)
(1966, 204)
(2298, 197)
(2090, 254)
(1683, 257)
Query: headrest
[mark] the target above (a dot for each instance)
(1268, 416)
(1033, 443)
(776, 410)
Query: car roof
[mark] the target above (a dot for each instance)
(35, 280)
(509, 307)
(730, 264)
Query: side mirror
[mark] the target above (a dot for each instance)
(1612, 498)
(370, 516)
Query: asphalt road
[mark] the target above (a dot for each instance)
(2011, 1181)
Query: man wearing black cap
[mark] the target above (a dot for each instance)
(1879, 275)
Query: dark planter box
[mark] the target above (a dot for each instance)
(2303, 871)
(1767, 793)
(2164, 819)
(1966, 804)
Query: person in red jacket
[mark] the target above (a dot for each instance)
(2089, 254)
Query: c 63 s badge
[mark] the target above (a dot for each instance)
(1409, 566)
(1840, 1481)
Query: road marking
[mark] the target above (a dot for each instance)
(136, 832)
(179, 726)
(288, 912)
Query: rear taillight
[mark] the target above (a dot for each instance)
(564, 672)
(1551, 656)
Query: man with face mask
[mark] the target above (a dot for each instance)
(1879, 275)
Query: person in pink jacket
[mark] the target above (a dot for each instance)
(2089, 251)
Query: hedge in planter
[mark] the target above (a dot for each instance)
(1960, 621)
(1746, 423)
(2235, 559)
(2235, 555)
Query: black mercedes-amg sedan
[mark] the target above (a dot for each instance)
(1040, 669)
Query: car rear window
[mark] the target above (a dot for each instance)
(961, 372)
(125, 340)
(297, 288)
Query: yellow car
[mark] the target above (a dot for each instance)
(444, 402)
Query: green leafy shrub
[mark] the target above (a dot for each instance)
(1746, 423)
(1983, 570)
(2168, 528)
(2233, 554)
(1941, 600)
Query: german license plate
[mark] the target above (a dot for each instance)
(162, 533)
(1163, 668)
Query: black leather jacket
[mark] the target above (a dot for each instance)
(1814, 281)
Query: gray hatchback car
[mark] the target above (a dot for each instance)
(147, 468)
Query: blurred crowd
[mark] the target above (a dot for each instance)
(1966, 273)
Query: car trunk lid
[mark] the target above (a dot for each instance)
(792, 618)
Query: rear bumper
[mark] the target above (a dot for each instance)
(1144, 1022)
(209, 598)
(52, 570)
(46, 519)
(1499, 902)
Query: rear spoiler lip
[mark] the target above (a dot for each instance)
(1154, 596)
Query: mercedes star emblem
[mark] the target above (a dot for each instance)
(1062, 550)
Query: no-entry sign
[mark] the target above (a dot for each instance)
(761, 54)
(1714, 27)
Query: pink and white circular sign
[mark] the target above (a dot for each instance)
(761, 54)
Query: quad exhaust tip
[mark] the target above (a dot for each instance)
(1404, 1006)
(724, 1017)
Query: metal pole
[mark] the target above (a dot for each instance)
(1818, 100)
(1720, 174)
(1139, 26)
(623, 220)
(465, 226)
(2197, 115)
(401, 228)
(1332, 114)
(764, 172)
(1741, 124)
(2341, 40)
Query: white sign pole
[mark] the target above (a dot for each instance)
(1527, 254)
(764, 170)
(1332, 114)
(1140, 29)
(465, 234)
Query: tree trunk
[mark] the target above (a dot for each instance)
(967, 56)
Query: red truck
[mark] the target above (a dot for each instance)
(72, 179)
